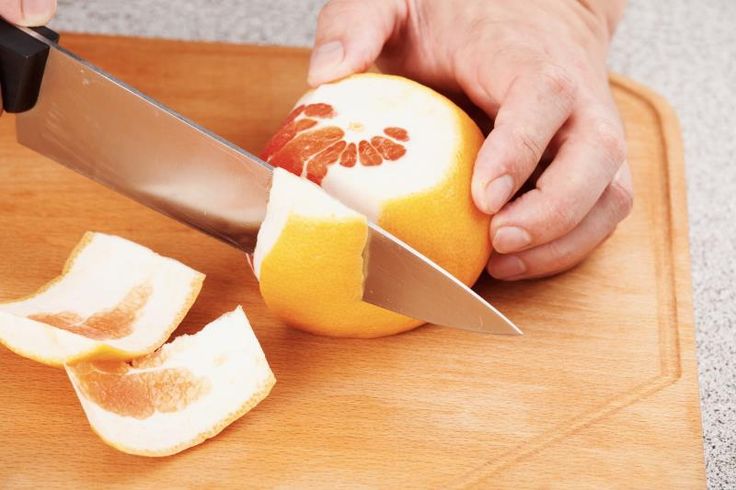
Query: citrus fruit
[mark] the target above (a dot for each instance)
(179, 396)
(309, 263)
(114, 300)
(395, 151)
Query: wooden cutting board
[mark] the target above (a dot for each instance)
(600, 392)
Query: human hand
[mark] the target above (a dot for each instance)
(538, 68)
(27, 13)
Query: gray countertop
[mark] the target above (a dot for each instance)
(686, 50)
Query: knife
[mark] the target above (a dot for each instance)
(76, 114)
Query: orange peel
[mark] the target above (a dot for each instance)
(179, 396)
(114, 300)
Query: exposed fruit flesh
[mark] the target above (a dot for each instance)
(114, 300)
(113, 387)
(299, 144)
(113, 323)
(177, 397)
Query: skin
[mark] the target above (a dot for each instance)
(27, 13)
(553, 170)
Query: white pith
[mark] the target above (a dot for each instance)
(293, 196)
(226, 354)
(375, 103)
(101, 275)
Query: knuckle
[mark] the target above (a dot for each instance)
(559, 256)
(560, 218)
(528, 146)
(479, 29)
(610, 138)
(528, 149)
(557, 81)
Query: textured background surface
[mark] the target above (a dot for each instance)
(686, 50)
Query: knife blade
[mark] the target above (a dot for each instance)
(110, 132)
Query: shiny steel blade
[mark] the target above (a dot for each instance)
(115, 135)
(100, 127)
(402, 280)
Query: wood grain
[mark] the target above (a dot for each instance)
(600, 392)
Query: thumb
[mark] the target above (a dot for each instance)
(351, 35)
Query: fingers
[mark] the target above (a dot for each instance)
(535, 106)
(351, 35)
(27, 12)
(584, 166)
(563, 253)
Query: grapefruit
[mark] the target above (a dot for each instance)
(114, 300)
(309, 263)
(179, 396)
(392, 149)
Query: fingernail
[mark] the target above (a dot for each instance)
(506, 266)
(37, 12)
(497, 193)
(325, 59)
(511, 239)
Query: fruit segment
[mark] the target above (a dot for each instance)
(179, 396)
(310, 141)
(114, 300)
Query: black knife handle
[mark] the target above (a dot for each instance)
(22, 61)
